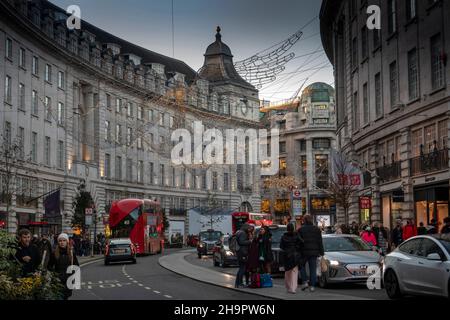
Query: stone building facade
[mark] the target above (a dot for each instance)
(87, 107)
(393, 104)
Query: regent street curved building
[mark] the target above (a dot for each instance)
(86, 107)
(393, 104)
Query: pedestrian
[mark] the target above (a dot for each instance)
(397, 235)
(446, 228)
(410, 230)
(368, 236)
(354, 229)
(421, 230)
(338, 229)
(27, 254)
(61, 258)
(381, 234)
(291, 244)
(432, 227)
(243, 241)
(45, 250)
(265, 249)
(312, 249)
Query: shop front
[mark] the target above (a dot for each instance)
(431, 202)
(365, 209)
(323, 210)
(391, 204)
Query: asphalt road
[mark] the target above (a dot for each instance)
(146, 280)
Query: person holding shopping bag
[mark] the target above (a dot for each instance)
(291, 244)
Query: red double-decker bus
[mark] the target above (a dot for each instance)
(258, 219)
(139, 220)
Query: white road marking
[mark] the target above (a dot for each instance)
(140, 285)
(148, 288)
(156, 292)
(167, 296)
(134, 281)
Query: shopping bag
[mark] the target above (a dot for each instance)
(266, 280)
(255, 281)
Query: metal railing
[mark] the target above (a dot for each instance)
(390, 172)
(435, 161)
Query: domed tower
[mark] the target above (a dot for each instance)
(317, 104)
(218, 69)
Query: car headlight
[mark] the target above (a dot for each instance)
(200, 245)
(229, 253)
(334, 263)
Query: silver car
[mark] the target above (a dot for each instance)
(348, 259)
(419, 266)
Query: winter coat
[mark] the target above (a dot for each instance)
(265, 247)
(409, 231)
(369, 237)
(397, 236)
(291, 244)
(60, 264)
(253, 262)
(243, 243)
(445, 229)
(312, 238)
(422, 231)
(31, 251)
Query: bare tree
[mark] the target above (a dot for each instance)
(210, 212)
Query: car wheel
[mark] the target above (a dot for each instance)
(323, 281)
(106, 263)
(391, 285)
(134, 261)
(199, 255)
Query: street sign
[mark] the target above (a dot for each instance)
(297, 207)
(88, 220)
(88, 211)
(296, 194)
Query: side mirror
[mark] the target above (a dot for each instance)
(434, 257)
(218, 243)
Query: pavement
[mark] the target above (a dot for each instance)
(187, 264)
(146, 280)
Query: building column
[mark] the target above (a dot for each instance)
(407, 185)
(40, 212)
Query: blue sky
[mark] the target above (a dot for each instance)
(248, 26)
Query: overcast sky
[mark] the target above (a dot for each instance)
(248, 26)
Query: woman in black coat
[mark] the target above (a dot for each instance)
(291, 244)
(60, 260)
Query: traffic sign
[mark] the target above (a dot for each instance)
(296, 194)
(88, 211)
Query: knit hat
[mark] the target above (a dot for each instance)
(63, 236)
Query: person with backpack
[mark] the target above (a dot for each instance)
(291, 244)
(241, 243)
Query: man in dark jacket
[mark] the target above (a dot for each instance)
(312, 249)
(243, 240)
(397, 235)
(446, 228)
(27, 254)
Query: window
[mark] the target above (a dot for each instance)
(437, 63)
(173, 177)
(34, 103)
(226, 182)
(366, 114)
(430, 138)
(321, 170)
(21, 96)
(282, 125)
(152, 173)
(48, 109)
(8, 48)
(204, 181)
(393, 83)
(139, 142)
(22, 55)
(376, 38)
(108, 101)
(302, 145)
(171, 122)
(48, 73)
(411, 9)
(413, 83)
(411, 247)
(282, 147)
(161, 119)
(163, 175)
(140, 171)
(355, 52)
(355, 112)
(107, 168)
(118, 170)
(364, 43)
(118, 133)
(443, 134)
(392, 16)
(34, 147)
(321, 144)
(129, 109)
(214, 181)
(378, 96)
(7, 137)
(60, 113)
(35, 66)
(21, 142)
(47, 151)
(417, 142)
(151, 115)
(129, 136)
(140, 113)
(118, 105)
(8, 97)
(61, 80)
(107, 131)
(60, 161)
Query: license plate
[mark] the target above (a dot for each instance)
(119, 251)
(360, 273)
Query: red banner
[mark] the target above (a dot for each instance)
(365, 203)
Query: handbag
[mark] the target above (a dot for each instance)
(255, 281)
(323, 265)
(266, 280)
